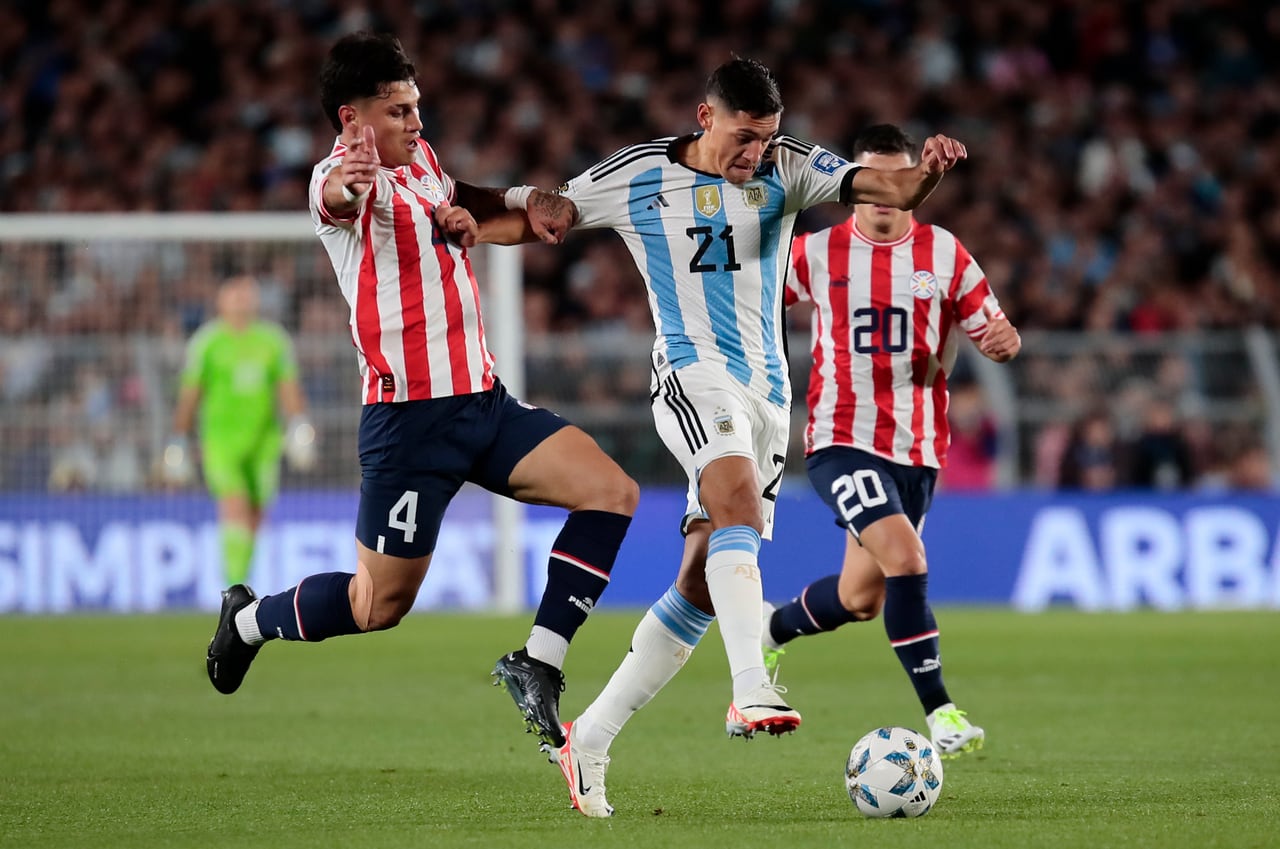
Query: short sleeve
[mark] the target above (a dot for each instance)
(197, 358)
(970, 292)
(602, 193)
(811, 174)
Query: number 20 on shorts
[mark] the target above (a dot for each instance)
(856, 492)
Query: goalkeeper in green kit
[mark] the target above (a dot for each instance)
(242, 376)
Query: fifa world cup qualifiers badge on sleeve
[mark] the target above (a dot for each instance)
(828, 163)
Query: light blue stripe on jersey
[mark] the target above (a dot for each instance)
(717, 286)
(734, 538)
(644, 188)
(681, 618)
(770, 236)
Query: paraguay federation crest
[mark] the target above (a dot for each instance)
(707, 200)
(924, 284)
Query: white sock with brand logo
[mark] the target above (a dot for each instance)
(547, 646)
(733, 580)
(656, 655)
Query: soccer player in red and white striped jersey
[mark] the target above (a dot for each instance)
(435, 415)
(891, 297)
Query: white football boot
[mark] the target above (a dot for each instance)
(763, 709)
(584, 773)
(952, 733)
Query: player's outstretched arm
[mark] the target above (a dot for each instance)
(907, 188)
(518, 215)
(514, 216)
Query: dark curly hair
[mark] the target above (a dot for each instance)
(358, 66)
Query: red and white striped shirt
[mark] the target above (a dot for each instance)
(882, 336)
(415, 305)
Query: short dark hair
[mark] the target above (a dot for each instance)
(884, 139)
(361, 65)
(745, 85)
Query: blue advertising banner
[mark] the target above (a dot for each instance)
(1030, 550)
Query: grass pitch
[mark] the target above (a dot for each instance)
(1140, 730)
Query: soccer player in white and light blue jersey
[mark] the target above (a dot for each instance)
(708, 218)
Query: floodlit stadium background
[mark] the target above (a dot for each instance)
(1120, 195)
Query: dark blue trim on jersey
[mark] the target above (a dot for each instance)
(717, 286)
(770, 306)
(643, 189)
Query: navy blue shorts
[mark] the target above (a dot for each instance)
(860, 487)
(416, 455)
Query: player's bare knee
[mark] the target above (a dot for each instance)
(910, 562)
(614, 493)
(387, 614)
(625, 493)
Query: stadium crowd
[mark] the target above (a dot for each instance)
(1122, 170)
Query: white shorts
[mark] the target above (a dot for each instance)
(703, 413)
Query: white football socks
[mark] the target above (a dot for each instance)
(247, 623)
(733, 579)
(547, 646)
(662, 642)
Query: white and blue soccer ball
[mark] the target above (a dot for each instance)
(894, 772)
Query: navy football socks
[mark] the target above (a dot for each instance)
(317, 608)
(578, 569)
(913, 633)
(815, 610)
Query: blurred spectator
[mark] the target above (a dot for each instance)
(1161, 455)
(971, 458)
(1093, 458)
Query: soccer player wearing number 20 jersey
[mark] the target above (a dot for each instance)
(708, 219)
(891, 297)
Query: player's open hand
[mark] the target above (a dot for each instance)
(1001, 342)
(458, 225)
(941, 153)
(551, 216)
(360, 164)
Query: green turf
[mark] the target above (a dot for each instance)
(1143, 730)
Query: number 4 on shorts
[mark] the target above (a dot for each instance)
(404, 515)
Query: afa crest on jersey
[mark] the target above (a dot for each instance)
(707, 200)
(755, 195)
(924, 285)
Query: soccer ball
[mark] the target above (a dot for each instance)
(893, 772)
